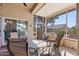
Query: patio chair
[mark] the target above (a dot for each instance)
(17, 47)
(55, 47)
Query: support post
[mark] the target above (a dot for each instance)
(78, 25)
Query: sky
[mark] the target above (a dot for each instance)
(71, 16)
(71, 19)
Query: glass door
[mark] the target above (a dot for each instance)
(22, 27)
(9, 26)
(39, 26)
(15, 26)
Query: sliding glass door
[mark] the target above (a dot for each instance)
(18, 26)
(10, 26)
(22, 27)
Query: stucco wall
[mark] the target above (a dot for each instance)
(18, 12)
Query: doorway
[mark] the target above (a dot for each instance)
(15, 26)
(39, 26)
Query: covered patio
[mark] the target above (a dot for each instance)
(39, 24)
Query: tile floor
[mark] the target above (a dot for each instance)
(63, 50)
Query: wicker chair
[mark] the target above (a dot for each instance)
(17, 47)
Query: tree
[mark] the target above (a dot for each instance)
(74, 29)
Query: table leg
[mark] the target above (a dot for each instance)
(36, 52)
(49, 48)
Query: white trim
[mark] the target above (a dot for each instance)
(15, 18)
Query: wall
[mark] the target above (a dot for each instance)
(18, 12)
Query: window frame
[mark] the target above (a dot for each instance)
(66, 12)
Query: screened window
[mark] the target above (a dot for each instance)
(61, 24)
(71, 24)
(57, 24)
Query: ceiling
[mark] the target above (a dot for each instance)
(51, 8)
(43, 9)
(30, 6)
(21, 5)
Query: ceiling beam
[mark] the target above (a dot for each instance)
(33, 7)
(39, 6)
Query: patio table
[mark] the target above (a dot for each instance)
(36, 45)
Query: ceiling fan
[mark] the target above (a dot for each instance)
(25, 4)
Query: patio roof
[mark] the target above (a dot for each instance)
(48, 9)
